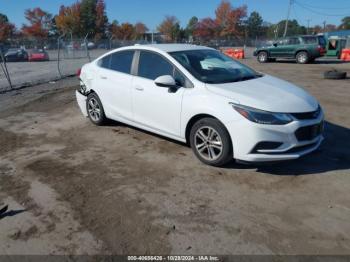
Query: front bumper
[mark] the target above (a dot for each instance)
(247, 135)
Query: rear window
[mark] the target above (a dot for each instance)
(105, 61)
(121, 61)
(322, 41)
(310, 39)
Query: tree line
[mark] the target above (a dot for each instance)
(88, 18)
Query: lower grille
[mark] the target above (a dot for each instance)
(309, 132)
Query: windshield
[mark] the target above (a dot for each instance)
(211, 66)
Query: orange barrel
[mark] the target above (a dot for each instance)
(230, 52)
(345, 55)
(239, 53)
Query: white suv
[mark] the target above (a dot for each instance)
(197, 95)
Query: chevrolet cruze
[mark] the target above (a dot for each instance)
(197, 95)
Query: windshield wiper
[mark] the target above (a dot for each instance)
(245, 78)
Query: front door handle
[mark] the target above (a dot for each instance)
(139, 88)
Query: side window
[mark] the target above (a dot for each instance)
(121, 61)
(152, 65)
(294, 41)
(105, 62)
(310, 40)
(282, 41)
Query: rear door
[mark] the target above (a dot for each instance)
(115, 82)
(292, 46)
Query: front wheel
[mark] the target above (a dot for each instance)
(263, 57)
(95, 110)
(211, 142)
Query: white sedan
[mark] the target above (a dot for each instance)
(194, 94)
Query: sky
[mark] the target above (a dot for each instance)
(151, 12)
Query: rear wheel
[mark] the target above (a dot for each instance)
(302, 57)
(95, 109)
(263, 57)
(211, 142)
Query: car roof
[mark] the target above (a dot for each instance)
(169, 47)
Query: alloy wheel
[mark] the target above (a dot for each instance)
(208, 143)
(94, 109)
(302, 58)
(262, 57)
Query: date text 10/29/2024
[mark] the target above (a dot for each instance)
(173, 258)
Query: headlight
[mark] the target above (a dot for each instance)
(263, 117)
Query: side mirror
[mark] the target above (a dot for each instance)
(165, 81)
(275, 44)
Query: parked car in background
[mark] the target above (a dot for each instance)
(16, 55)
(195, 94)
(102, 46)
(38, 55)
(90, 45)
(303, 49)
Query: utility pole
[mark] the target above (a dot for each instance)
(287, 20)
(308, 25)
(324, 26)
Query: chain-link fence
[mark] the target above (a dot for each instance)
(26, 62)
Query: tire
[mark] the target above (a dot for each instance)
(263, 57)
(95, 110)
(334, 74)
(302, 57)
(214, 151)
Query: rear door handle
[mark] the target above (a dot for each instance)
(139, 88)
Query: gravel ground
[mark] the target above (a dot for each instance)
(75, 188)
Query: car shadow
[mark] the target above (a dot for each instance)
(334, 154)
(112, 123)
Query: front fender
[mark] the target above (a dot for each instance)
(206, 103)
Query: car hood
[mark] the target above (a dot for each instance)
(267, 93)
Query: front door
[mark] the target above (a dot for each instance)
(279, 48)
(155, 106)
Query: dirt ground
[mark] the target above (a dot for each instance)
(74, 188)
